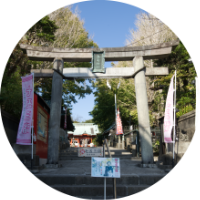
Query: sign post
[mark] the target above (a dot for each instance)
(104, 177)
(105, 167)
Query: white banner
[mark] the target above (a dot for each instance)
(24, 130)
(197, 114)
(105, 167)
(168, 119)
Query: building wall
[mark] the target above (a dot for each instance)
(41, 121)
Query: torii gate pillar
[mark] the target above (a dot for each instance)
(55, 113)
(143, 111)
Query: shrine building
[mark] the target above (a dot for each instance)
(83, 134)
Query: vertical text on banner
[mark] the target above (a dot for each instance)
(24, 130)
(168, 119)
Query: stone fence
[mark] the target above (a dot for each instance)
(185, 129)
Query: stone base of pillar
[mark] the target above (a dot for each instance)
(148, 166)
(52, 166)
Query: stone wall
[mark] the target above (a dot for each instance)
(184, 133)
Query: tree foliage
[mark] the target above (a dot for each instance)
(11, 92)
(60, 29)
(104, 110)
(18, 65)
(149, 30)
(88, 121)
(70, 34)
(42, 33)
(185, 88)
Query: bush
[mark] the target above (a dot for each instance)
(98, 140)
(156, 146)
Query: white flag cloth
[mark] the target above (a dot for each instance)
(24, 130)
(118, 85)
(84, 85)
(77, 83)
(197, 114)
(108, 84)
(168, 119)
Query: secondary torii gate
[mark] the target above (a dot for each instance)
(138, 54)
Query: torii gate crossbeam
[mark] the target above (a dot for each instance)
(114, 72)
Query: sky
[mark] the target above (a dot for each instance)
(109, 24)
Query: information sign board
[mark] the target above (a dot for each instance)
(90, 152)
(105, 167)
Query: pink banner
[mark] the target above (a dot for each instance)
(119, 124)
(168, 119)
(65, 123)
(24, 130)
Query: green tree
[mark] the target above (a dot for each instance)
(98, 140)
(70, 34)
(11, 92)
(45, 32)
(151, 30)
(104, 110)
(41, 34)
(185, 89)
(18, 65)
(88, 121)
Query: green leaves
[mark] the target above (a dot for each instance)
(42, 33)
(156, 145)
(11, 93)
(104, 111)
(185, 90)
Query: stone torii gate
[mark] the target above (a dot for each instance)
(137, 54)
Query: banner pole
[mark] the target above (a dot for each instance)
(104, 177)
(32, 126)
(116, 116)
(174, 120)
